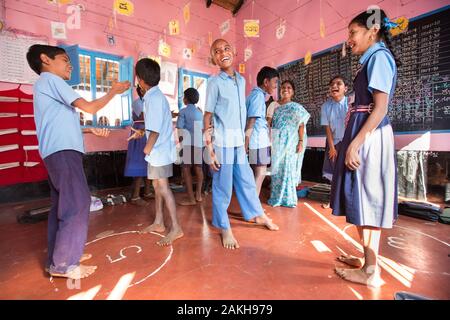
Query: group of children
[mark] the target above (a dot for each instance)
(234, 129)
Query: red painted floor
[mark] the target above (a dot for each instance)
(294, 263)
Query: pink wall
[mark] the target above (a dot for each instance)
(141, 32)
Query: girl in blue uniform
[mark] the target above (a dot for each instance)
(364, 186)
(135, 165)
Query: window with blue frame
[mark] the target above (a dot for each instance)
(92, 77)
(192, 79)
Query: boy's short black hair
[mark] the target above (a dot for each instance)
(266, 73)
(338, 77)
(192, 96)
(34, 55)
(148, 70)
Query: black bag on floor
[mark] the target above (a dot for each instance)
(421, 210)
(445, 216)
(320, 192)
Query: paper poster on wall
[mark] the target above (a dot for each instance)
(251, 28)
(322, 28)
(187, 13)
(402, 25)
(74, 19)
(225, 27)
(13, 62)
(174, 27)
(58, 30)
(242, 68)
(124, 7)
(168, 80)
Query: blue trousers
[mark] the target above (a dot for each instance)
(69, 214)
(234, 172)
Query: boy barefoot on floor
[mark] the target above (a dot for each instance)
(225, 105)
(61, 147)
(160, 148)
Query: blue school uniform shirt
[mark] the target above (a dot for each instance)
(333, 114)
(158, 118)
(225, 98)
(380, 68)
(57, 121)
(256, 108)
(190, 120)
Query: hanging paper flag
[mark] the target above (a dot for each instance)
(187, 13)
(402, 25)
(281, 30)
(58, 30)
(248, 52)
(187, 53)
(174, 27)
(210, 40)
(194, 48)
(251, 28)
(64, 1)
(225, 27)
(322, 28)
(155, 58)
(110, 24)
(1, 25)
(308, 58)
(111, 39)
(344, 50)
(163, 49)
(242, 68)
(124, 7)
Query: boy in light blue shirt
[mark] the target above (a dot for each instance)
(160, 151)
(61, 147)
(257, 141)
(190, 126)
(225, 105)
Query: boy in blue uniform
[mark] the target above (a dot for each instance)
(333, 114)
(257, 141)
(61, 147)
(225, 104)
(190, 125)
(160, 152)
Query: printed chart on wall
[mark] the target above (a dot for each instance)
(422, 97)
(13, 63)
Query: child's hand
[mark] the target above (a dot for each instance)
(300, 147)
(332, 153)
(100, 132)
(215, 164)
(120, 87)
(136, 135)
(352, 160)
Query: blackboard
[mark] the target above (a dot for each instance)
(422, 97)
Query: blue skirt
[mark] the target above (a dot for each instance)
(367, 196)
(135, 165)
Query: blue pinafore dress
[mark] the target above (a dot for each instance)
(367, 196)
(135, 165)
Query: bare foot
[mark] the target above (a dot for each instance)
(198, 198)
(351, 260)
(170, 237)
(228, 240)
(326, 205)
(155, 227)
(84, 257)
(78, 272)
(360, 276)
(189, 202)
(265, 221)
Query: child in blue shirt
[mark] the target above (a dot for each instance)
(160, 152)
(61, 147)
(257, 140)
(333, 114)
(190, 126)
(225, 105)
